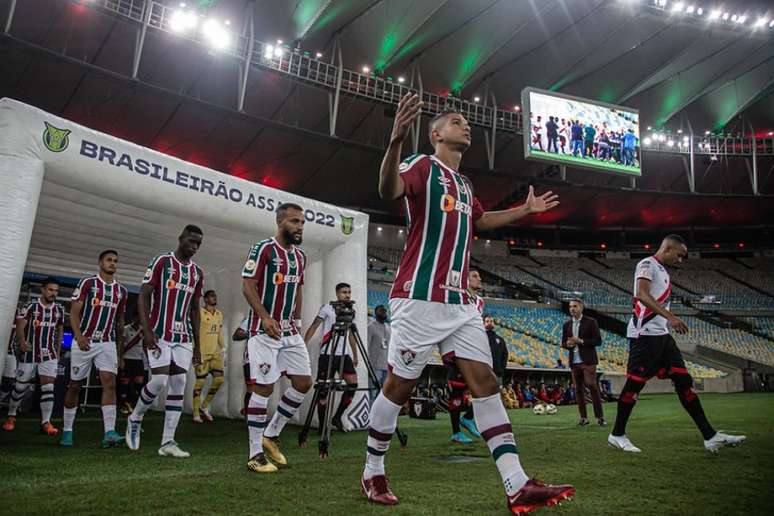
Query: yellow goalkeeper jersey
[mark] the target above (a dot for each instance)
(211, 332)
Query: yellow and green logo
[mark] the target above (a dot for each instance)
(347, 225)
(55, 139)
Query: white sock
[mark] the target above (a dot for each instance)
(256, 422)
(17, 395)
(286, 408)
(174, 407)
(384, 419)
(495, 427)
(69, 418)
(46, 402)
(109, 417)
(148, 394)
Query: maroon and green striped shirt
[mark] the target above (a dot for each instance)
(175, 286)
(440, 212)
(42, 325)
(279, 274)
(103, 304)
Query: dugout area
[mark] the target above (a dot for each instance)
(70, 192)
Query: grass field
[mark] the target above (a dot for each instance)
(673, 475)
(593, 163)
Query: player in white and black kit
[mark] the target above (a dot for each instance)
(327, 318)
(653, 351)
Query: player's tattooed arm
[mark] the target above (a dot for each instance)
(269, 325)
(143, 310)
(21, 334)
(75, 324)
(58, 337)
(391, 185)
(119, 329)
(195, 315)
(534, 204)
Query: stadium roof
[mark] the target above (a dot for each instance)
(681, 71)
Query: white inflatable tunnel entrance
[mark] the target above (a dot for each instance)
(69, 192)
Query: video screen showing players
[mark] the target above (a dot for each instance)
(581, 133)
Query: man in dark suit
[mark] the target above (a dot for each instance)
(581, 336)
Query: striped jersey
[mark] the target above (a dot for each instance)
(175, 286)
(42, 325)
(103, 304)
(12, 337)
(477, 300)
(279, 274)
(440, 211)
(328, 316)
(132, 342)
(644, 321)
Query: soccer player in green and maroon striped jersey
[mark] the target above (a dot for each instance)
(168, 309)
(39, 333)
(272, 279)
(429, 300)
(97, 318)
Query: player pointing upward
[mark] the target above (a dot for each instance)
(430, 304)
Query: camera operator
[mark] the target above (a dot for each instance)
(327, 317)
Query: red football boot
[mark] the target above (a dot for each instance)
(377, 490)
(535, 494)
(48, 429)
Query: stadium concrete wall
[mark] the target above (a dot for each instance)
(732, 382)
(69, 192)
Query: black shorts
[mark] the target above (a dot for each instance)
(322, 366)
(656, 355)
(133, 368)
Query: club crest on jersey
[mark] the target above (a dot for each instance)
(407, 286)
(264, 368)
(407, 356)
(95, 301)
(156, 353)
(449, 203)
(347, 225)
(55, 139)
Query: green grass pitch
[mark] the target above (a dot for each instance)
(673, 475)
(593, 163)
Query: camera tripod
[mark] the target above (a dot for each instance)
(328, 385)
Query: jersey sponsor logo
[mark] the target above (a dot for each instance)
(449, 203)
(264, 368)
(55, 139)
(444, 181)
(173, 285)
(407, 356)
(277, 261)
(179, 327)
(280, 278)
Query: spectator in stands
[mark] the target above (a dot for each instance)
(581, 336)
(378, 340)
(559, 364)
(569, 395)
(498, 348)
(543, 394)
(529, 396)
(556, 394)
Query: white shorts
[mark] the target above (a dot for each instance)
(25, 371)
(102, 354)
(418, 326)
(9, 369)
(171, 352)
(266, 359)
